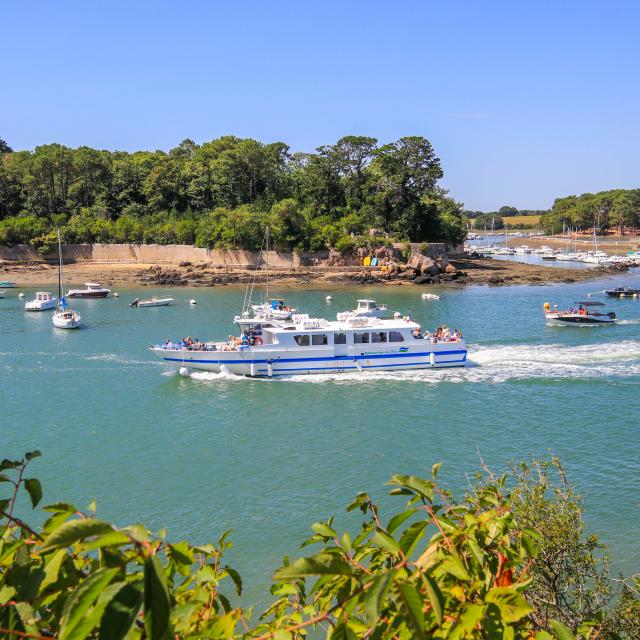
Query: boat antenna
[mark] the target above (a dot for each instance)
(248, 294)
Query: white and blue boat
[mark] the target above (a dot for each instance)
(315, 346)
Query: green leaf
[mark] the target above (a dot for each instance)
(512, 605)
(34, 489)
(121, 612)
(386, 541)
(455, 567)
(375, 595)
(30, 455)
(543, 635)
(9, 464)
(399, 518)
(562, 631)
(235, 576)
(320, 564)
(434, 469)
(157, 603)
(411, 605)
(52, 568)
(111, 539)
(91, 620)
(342, 632)
(323, 529)
(80, 600)
(410, 538)
(420, 486)
(435, 598)
(469, 618)
(73, 530)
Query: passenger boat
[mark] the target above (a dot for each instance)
(153, 302)
(64, 317)
(7, 284)
(622, 292)
(92, 290)
(584, 315)
(315, 345)
(42, 302)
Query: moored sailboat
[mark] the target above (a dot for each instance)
(64, 316)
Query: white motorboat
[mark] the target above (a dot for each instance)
(1, 294)
(430, 296)
(7, 284)
(153, 302)
(42, 302)
(92, 290)
(315, 345)
(64, 317)
(370, 309)
(583, 315)
(566, 257)
(276, 308)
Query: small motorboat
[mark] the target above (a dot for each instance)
(430, 296)
(92, 290)
(1, 294)
(44, 301)
(584, 315)
(153, 302)
(7, 284)
(275, 308)
(369, 309)
(623, 292)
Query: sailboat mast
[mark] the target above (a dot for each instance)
(59, 269)
(267, 265)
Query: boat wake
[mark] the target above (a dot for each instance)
(494, 364)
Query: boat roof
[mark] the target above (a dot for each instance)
(349, 324)
(365, 300)
(92, 284)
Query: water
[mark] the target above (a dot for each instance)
(207, 453)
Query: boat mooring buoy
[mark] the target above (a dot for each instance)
(116, 295)
(21, 295)
(184, 371)
(328, 298)
(397, 314)
(192, 301)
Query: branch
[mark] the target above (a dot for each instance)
(21, 524)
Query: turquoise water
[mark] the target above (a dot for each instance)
(207, 453)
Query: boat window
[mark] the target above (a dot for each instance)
(339, 338)
(360, 338)
(318, 339)
(379, 336)
(303, 340)
(395, 336)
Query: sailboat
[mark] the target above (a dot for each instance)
(64, 317)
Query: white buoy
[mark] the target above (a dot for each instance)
(21, 295)
(192, 301)
(328, 298)
(116, 295)
(623, 295)
(397, 314)
(269, 369)
(184, 371)
(635, 295)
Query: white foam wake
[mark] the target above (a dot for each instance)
(495, 364)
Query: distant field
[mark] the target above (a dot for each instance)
(515, 221)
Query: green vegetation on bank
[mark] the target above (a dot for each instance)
(617, 210)
(516, 218)
(509, 561)
(223, 193)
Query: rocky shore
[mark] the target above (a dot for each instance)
(458, 271)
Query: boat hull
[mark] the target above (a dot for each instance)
(43, 306)
(87, 294)
(267, 362)
(576, 320)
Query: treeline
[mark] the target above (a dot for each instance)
(617, 209)
(224, 193)
(510, 560)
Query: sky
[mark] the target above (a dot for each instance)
(523, 101)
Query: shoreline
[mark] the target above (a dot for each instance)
(466, 270)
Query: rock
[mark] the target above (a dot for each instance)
(450, 268)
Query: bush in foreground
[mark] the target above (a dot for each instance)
(508, 561)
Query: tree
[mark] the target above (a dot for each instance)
(4, 147)
(507, 211)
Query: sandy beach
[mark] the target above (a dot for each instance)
(466, 270)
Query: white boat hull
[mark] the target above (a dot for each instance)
(66, 320)
(268, 361)
(575, 319)
(37, 305)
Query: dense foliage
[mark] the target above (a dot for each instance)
(224, 192)
(509, 561)
(618, 209)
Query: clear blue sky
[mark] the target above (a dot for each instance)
(522, 103)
